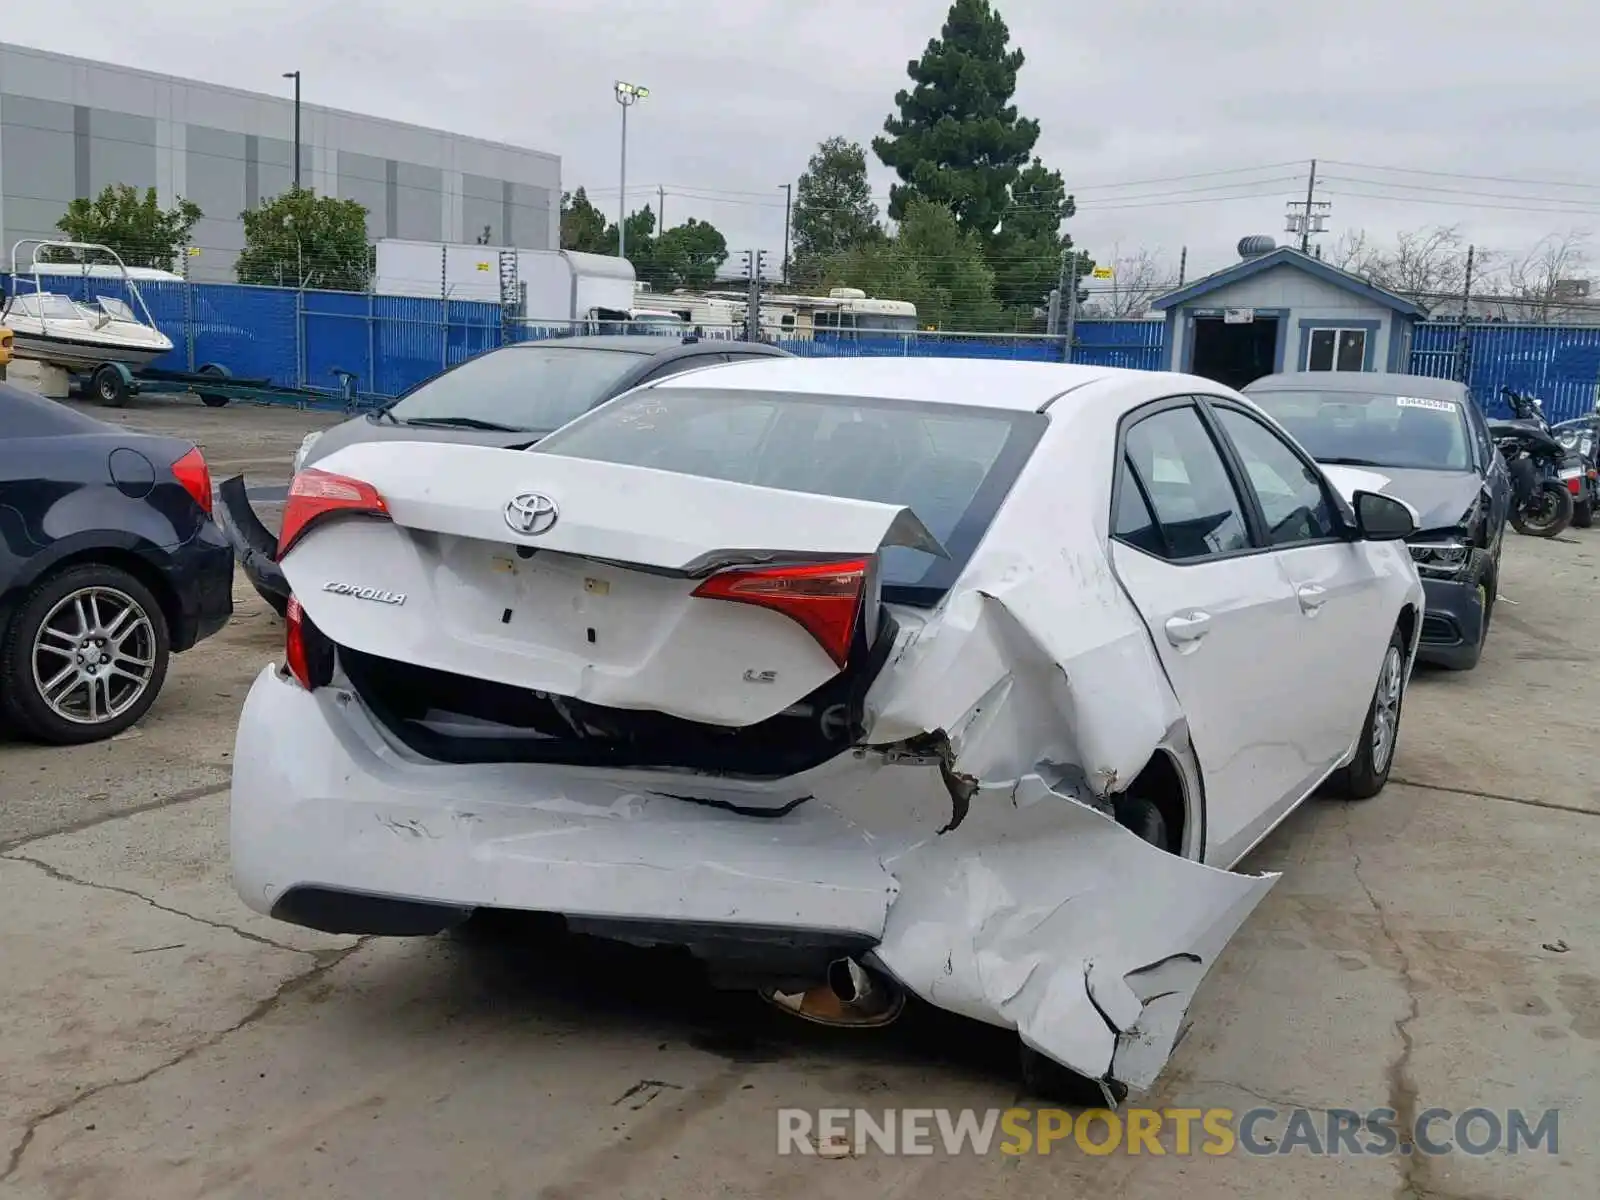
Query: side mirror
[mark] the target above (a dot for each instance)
(1382, 518)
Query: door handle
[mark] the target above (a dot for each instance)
(1187, 628)
(1311, 597)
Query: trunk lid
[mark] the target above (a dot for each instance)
(576, 578)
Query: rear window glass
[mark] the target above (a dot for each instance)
(532, 387)
(951, 465)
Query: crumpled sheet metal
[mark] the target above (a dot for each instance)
(1040, 913)
(1036, 910)
(1037, 666)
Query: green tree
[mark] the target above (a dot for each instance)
(300, 239)
(583, 226)
(932, 262)
(957, 138)
(833, 208)
(686, 255)
(141, 232)
(1026, 251)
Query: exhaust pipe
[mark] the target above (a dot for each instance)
(851, 996)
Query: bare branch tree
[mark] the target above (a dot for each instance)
(1549, 282)
(1425, 264)
(1137, 280)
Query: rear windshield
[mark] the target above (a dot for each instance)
(1378, 429)
(951, 465)
(537, 387)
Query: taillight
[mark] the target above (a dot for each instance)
(315, 494)
(823, 598)
(294, 644)
(191, 471)
(307, 652)
(1575, 485)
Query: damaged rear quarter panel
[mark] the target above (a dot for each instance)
(1033, 909)
(1038, 657)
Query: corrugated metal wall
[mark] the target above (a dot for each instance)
(391, 343)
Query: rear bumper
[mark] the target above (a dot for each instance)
(253, 544)
(201, 577)
(1035, 913)
(1452, 623)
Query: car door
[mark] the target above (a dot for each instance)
(1496, 478)
(1343, 626)
(1221, 613)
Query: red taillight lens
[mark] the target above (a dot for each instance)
(294, 643)
(191, 471)
(316, 494)
(823, 598)
(1575, 485)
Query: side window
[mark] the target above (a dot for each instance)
(1292, 497)
(1134, 523)
(1188, 486)
(1480, 436)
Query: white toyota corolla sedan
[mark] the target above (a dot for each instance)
(859, 678)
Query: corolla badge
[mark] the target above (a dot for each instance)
(531, 513)
(364, 593)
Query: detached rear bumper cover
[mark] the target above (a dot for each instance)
(253, 544)
(1035, 912)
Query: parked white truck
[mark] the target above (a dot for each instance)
(542, 286)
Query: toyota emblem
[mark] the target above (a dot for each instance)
(531, 513)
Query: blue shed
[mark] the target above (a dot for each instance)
(1281, 310)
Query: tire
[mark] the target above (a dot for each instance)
(108, 386)
(1143, 819)
(1380, 733)
(1552, 523)
(216, 372)
(125, 626)
(1583, 513)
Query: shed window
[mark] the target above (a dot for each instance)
(1336, 350)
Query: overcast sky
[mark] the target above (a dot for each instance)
(1501, 99)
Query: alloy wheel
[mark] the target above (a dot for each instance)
(94, 655)
(1386, 709)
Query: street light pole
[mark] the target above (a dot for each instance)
(628, 94)
(295, 75)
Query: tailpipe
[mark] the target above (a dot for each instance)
(850, 996)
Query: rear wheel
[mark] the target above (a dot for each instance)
(84, 657)
(1369, 770)
(1547, 514)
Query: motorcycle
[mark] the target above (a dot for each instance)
(1581, 437)
(1542, 504)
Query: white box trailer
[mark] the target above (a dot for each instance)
(544, 285)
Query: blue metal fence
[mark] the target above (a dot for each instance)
(391, 343)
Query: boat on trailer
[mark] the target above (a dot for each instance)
(78, 336)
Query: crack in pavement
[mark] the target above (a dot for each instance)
(1403, 1091)
(326, 961)
(183, 797)
(63, 877)
(1553, 805)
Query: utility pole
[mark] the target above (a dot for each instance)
(788, 200)
(1311, 195)
(1072, 307)
(295, 75)
(755, 266)
(1183, 264)
(661, 209)
(1307, 219)
(1461, 369)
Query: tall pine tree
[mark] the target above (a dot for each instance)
(957, 139)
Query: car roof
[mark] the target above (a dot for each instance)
(657, 346)
(1359, 383)
(987, 383)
